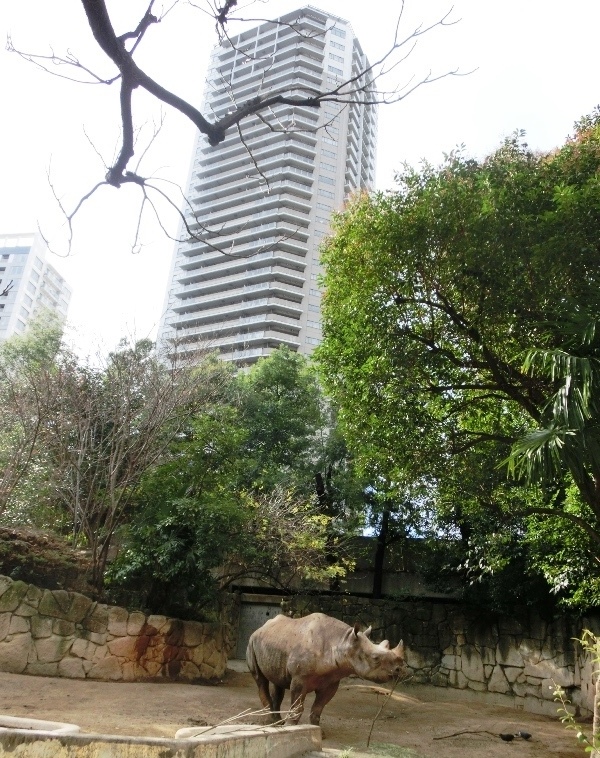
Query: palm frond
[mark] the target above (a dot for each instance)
(539, 454)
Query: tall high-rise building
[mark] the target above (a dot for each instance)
(29, 285)
(261, 201)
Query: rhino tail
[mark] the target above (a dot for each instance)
(251, 657)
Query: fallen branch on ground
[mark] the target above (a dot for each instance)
(385, 702)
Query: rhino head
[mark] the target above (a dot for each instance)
(378, 663)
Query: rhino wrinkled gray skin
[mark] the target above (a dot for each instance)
(312, 654)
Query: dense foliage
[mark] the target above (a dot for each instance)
(238, 496)
(459, 332)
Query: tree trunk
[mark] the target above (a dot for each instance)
(596, 722)
(380, 553)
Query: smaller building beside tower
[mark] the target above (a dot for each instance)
(29, 285)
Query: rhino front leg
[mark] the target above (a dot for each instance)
(321, 699)
(297, 696)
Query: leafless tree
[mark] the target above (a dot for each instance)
(367, 86)
(111, 425)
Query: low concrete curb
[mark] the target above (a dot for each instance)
(56, 727)
(219, 742)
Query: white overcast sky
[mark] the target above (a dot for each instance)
(537, 68)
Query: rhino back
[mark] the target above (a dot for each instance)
(285, 647)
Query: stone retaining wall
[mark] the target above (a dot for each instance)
(449, 645)
(59, 633)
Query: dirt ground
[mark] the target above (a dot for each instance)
(407, 727)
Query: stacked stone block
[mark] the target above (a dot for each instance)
(59, 633)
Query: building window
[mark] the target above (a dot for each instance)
(326, 180)
(31, 287)
(334, 70)
(338, 32)
(337, 45)
(329, 141)
(24, 312)
(327, 166)
(35, 276)
(328, 153)
(314, 292)
(314, 308)
(321, 220)
(37, 263)
(314, 324)
(28, 300)
(20, 325)
(313, 340)
(323, 207)
(325, 193)
(338, 58)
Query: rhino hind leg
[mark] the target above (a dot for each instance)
(322, 697)
(263, 691)
(277, 694)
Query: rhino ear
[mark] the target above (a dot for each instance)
(385, 645)
(356, 628)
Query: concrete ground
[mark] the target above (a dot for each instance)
(415, 722)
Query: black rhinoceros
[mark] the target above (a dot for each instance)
(312, 654)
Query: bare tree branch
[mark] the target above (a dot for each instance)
(364, 87)
(46, 61)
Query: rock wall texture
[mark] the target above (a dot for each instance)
(520, 661)
(59, 633)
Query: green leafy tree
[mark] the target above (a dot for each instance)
(198, 528)
(294, 443)
(280, 406)
(435, 295)
(190, 517)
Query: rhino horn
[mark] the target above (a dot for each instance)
(400, 647)
(385, 645)
(367, 632)
(357, 631)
